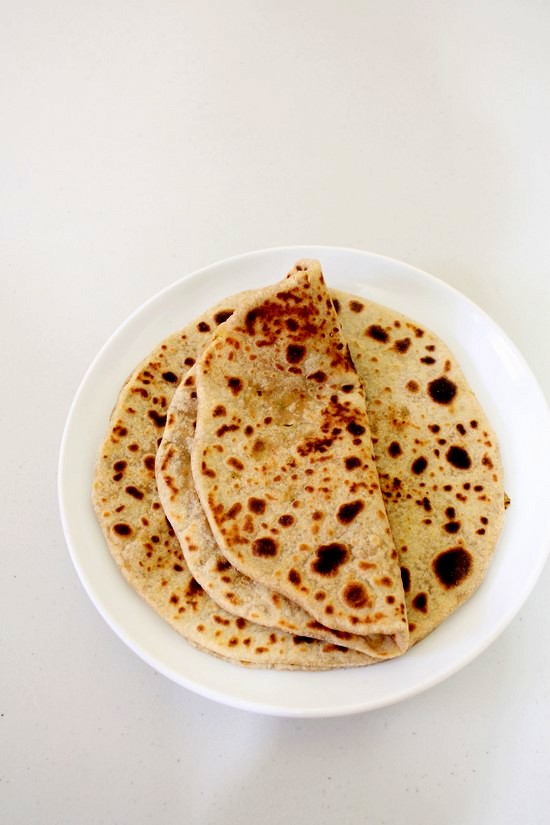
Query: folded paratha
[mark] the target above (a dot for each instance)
(283, 466)
(227, 586)
(141, 540)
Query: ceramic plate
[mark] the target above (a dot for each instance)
(506, 389)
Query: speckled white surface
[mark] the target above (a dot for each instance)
(141, 141)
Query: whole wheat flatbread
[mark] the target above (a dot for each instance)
(141, 540)
(231, 589)
(437, 455)
(444, 556)
(446, 535)
(282, 461)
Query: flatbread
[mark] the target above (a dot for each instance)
(141, 540)
(444, 557)
(227, 586)
(282, 461)
(438, 458)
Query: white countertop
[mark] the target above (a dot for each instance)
(141, 141)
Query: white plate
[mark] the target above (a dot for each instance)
(507, 391)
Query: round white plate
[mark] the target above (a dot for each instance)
(504, 385)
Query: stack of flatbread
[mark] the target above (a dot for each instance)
(301, 478)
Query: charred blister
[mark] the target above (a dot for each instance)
(295, 353)
(170, 376)
(458, 457)
(402, 345)
(355, 595)
(442, 390)
(377, 333)
(122, 529)
(349, 511)
(419, 465)
(420, 602)
(235, 384)
(265, 547)
(157, 419)
(329, 558)
(452, 566)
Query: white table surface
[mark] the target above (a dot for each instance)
(140, 141)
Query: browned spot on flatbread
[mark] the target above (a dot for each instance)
(158, 419)
(258, 505)
(170, 376)
(377, 333)
(314, 445)
(329, 558)
(235, 384)
(452, 527)
(419, 465)
(122, 529)
(258, 447)
(301, 640)
(226, 428)
(264, 547)
(355, 595)
(452, 566)
(233, 511)
(394, 449)
(442, 390)
(295, 353)
(207, 471)
(193, 588)
(458, 457)
(318, 376)
(349, 511)
(420, 602)
(402, 345)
